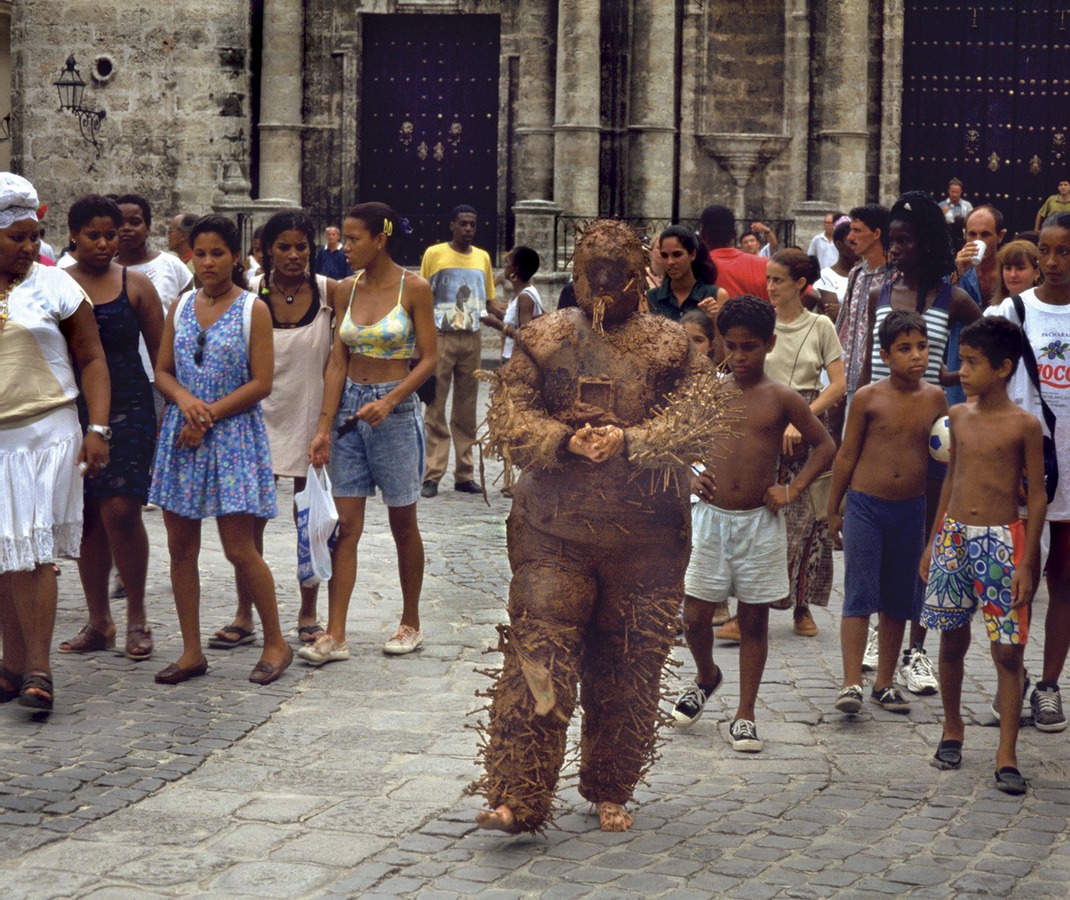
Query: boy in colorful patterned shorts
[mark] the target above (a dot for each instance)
(975, 559)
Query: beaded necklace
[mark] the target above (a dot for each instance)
(3, 301)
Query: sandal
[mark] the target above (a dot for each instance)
(138, 641)
(948, 755)
(88, 640)
(309, 633)
(10, 685)
(1010, 781)
(221, 641)
(41, 682)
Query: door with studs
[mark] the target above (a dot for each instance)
(429, 122)
(986, 99)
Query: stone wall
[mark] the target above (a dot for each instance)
(176, 102)
(696, 87)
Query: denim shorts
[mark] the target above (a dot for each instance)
(389, 456)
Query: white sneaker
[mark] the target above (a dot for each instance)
(916, 673)
(324, 650)
(404, 640)
(869, 658)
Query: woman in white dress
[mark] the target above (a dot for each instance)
(45, 319)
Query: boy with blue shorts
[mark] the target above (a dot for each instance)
(981, 555)
(884, 459)
(739, 546)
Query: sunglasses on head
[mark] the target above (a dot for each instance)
(198, 354)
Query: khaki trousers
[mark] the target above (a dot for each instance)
(458, 358)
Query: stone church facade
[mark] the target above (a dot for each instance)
(529, 109)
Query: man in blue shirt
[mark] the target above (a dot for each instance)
(331, 259)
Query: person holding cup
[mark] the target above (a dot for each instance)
(976, 263)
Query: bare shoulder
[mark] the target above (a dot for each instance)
(416, 289)
(930, 393)
(1026, 421)
(773, 392)
(960, 412)
(962, 306)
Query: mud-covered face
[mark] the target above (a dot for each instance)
(608, 272)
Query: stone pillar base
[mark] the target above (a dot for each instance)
(535, 227)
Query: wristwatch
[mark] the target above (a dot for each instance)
(103, 430)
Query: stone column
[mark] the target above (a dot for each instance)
(576, 125)
(891, 104)
(281, 93)
(534, 130)
(652, 111)
(843, 136)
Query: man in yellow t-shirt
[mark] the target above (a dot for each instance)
(462, 283)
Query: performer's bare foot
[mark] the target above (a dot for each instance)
(500, 819)
(613, 816)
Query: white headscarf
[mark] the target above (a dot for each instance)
(18, 200)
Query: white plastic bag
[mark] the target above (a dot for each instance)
(317, 518)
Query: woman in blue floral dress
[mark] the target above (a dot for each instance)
(212, 460)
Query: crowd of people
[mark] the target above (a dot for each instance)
(193, 381)
(904, 332)
(133, 380)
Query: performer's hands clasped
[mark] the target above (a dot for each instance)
(597, 444)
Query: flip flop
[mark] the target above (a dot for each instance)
(948, 755)
(220, 641)
(1010, 781)
(309, 633)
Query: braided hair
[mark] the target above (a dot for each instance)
(288, 220)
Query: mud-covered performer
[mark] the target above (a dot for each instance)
(602, 407)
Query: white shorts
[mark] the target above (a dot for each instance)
(737, 553)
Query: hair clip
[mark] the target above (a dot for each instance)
(388, 227)
(406, 228)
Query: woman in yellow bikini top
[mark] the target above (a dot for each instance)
(392, 337)
(386, 318)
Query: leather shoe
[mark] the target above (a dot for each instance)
(429, 489)
(265, 673)
(468, 487)
(175, 674)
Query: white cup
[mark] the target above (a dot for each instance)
(979, 248)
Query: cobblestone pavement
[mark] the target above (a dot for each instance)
(348, 780)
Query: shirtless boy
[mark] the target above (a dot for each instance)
(739, 545)
(884, 459)
(981, 554)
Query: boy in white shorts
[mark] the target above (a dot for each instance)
(739, 542)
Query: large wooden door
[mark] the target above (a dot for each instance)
(429, 122)
(986, 98)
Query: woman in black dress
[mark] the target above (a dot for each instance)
(126, 307)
